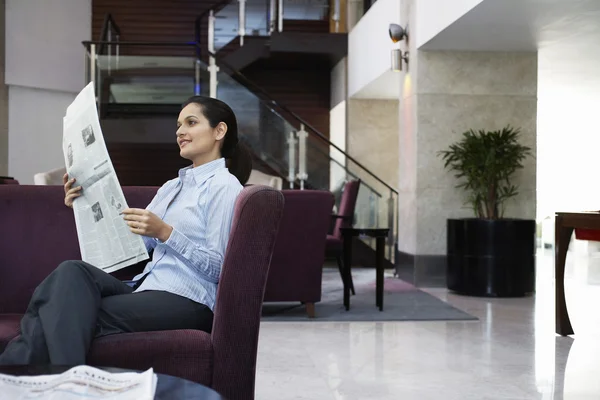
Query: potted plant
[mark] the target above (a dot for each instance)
(489, 255)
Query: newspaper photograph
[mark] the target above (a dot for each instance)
(82, 382)
(104, 238)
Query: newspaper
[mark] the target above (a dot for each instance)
(105, 240)
(80, 383)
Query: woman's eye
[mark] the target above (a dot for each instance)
(192, 123)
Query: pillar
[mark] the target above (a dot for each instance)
(443, 94)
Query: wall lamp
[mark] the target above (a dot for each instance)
(397, 57)
(397, 33)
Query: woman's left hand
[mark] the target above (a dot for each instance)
(143, 222)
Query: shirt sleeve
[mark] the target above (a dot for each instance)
(148, 241)
(208, 259)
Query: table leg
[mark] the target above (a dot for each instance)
(347, 239)
(379, 254)
(562, 237)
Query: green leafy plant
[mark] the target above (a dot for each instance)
(485, 161)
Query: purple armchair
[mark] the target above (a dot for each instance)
(343, 219)
(296, 268)
(38, 233)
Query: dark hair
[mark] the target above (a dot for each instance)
(237, 156)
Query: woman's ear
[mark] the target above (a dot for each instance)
(220, 131)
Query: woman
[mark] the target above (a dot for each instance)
(187, 224)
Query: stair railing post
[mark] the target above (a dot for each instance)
(197, 78)
(109, 46)
(292, 141)
(117, 52)
(280, 16)
(212, 63)
(242, 21)
(272, 16)
(302, 174)
(391, 217)
(336, 15)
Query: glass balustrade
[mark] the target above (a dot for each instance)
(282, 142)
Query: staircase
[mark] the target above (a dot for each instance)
(134, 84)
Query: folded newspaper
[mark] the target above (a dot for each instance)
(82, 382)
(105, 240)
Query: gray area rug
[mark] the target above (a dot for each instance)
(402, 302)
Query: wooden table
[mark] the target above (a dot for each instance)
(380, 234)
(565, 224)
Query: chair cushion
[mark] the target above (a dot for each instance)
(9, 328)
(183, 353)
(588, 234)
(333, 244)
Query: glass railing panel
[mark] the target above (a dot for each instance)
(127, 74)
(227, 22)
(312, 10)
(261, 128)
(264, 126)
(226, 25)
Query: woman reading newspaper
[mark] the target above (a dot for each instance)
(187, 224)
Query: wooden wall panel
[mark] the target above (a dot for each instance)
(301, 83)
(152, 21)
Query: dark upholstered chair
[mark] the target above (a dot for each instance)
(38, 232)
(297, 266)
(343, 219)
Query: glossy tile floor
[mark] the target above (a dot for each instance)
(511, 353)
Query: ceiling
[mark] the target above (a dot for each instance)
(566, 33)
(519, 25)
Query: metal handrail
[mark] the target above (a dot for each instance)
(269, 100)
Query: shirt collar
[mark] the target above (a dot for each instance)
(204, 171)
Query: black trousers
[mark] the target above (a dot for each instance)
(78, 302)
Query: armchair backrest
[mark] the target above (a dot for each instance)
(6, 180)
(347, 206)
(241, 289)
(37, 233)
(297, 263)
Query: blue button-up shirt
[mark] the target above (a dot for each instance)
(199, 206)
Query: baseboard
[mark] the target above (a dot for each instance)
(421, 270)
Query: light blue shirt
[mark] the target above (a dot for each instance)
(199, 206)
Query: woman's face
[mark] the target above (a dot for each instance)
(197, 140)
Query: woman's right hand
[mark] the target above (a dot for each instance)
(71, 193)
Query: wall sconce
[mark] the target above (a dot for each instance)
(397, 33)
(397, 58)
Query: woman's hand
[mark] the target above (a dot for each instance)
(71, 193)
(143, 222)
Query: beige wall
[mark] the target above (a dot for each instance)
(443, 95)
(3, 95)
(373, 136)
(457, 92)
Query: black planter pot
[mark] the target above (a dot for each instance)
(493, 258)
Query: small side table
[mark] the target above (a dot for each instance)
(380, 234)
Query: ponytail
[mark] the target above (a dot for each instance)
(239, 162)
